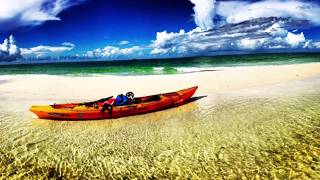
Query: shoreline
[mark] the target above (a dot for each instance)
(95, 87)
(180, 71)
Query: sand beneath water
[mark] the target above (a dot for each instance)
(255, 122)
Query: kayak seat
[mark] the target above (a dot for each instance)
(153, 98)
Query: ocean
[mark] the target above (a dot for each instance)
(158, 66)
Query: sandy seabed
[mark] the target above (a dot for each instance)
(255, 122)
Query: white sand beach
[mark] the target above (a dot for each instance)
(95, 87)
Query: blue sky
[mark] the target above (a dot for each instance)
(127, 29)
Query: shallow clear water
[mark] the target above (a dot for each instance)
(159, 66)
(270, 132)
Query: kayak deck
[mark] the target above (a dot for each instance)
(81, 111)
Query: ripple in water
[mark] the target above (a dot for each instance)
(230, 135)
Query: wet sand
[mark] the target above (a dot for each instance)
(254, 122)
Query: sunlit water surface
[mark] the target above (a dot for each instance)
(271, 132)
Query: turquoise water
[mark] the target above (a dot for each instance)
(159, 66)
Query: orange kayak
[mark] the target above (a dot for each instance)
(94, 110)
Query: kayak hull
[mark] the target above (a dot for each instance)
(74, 111)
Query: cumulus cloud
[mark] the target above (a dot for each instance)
(173, 42)
(16, 13)
(246, 25)
(124, 42)
(261, 33)
(239, 11)
(316, 44)
(295, 39)
(9, 51)
(248, 43)
(115, 52)
(41, 50)
(203, 13)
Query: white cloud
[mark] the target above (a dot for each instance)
(5, 46)
(183, 43)
(317, 44)
(276, 29)
(124, 42)
(15, 13)
(204, 13)
(47, 50)
(239, 11)
(249, 26)
(115, 52)
(13, 49)
(248, 43)
(9, 50)
(295, 39)
(163, 39)
(262, 34)
(68, 44)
